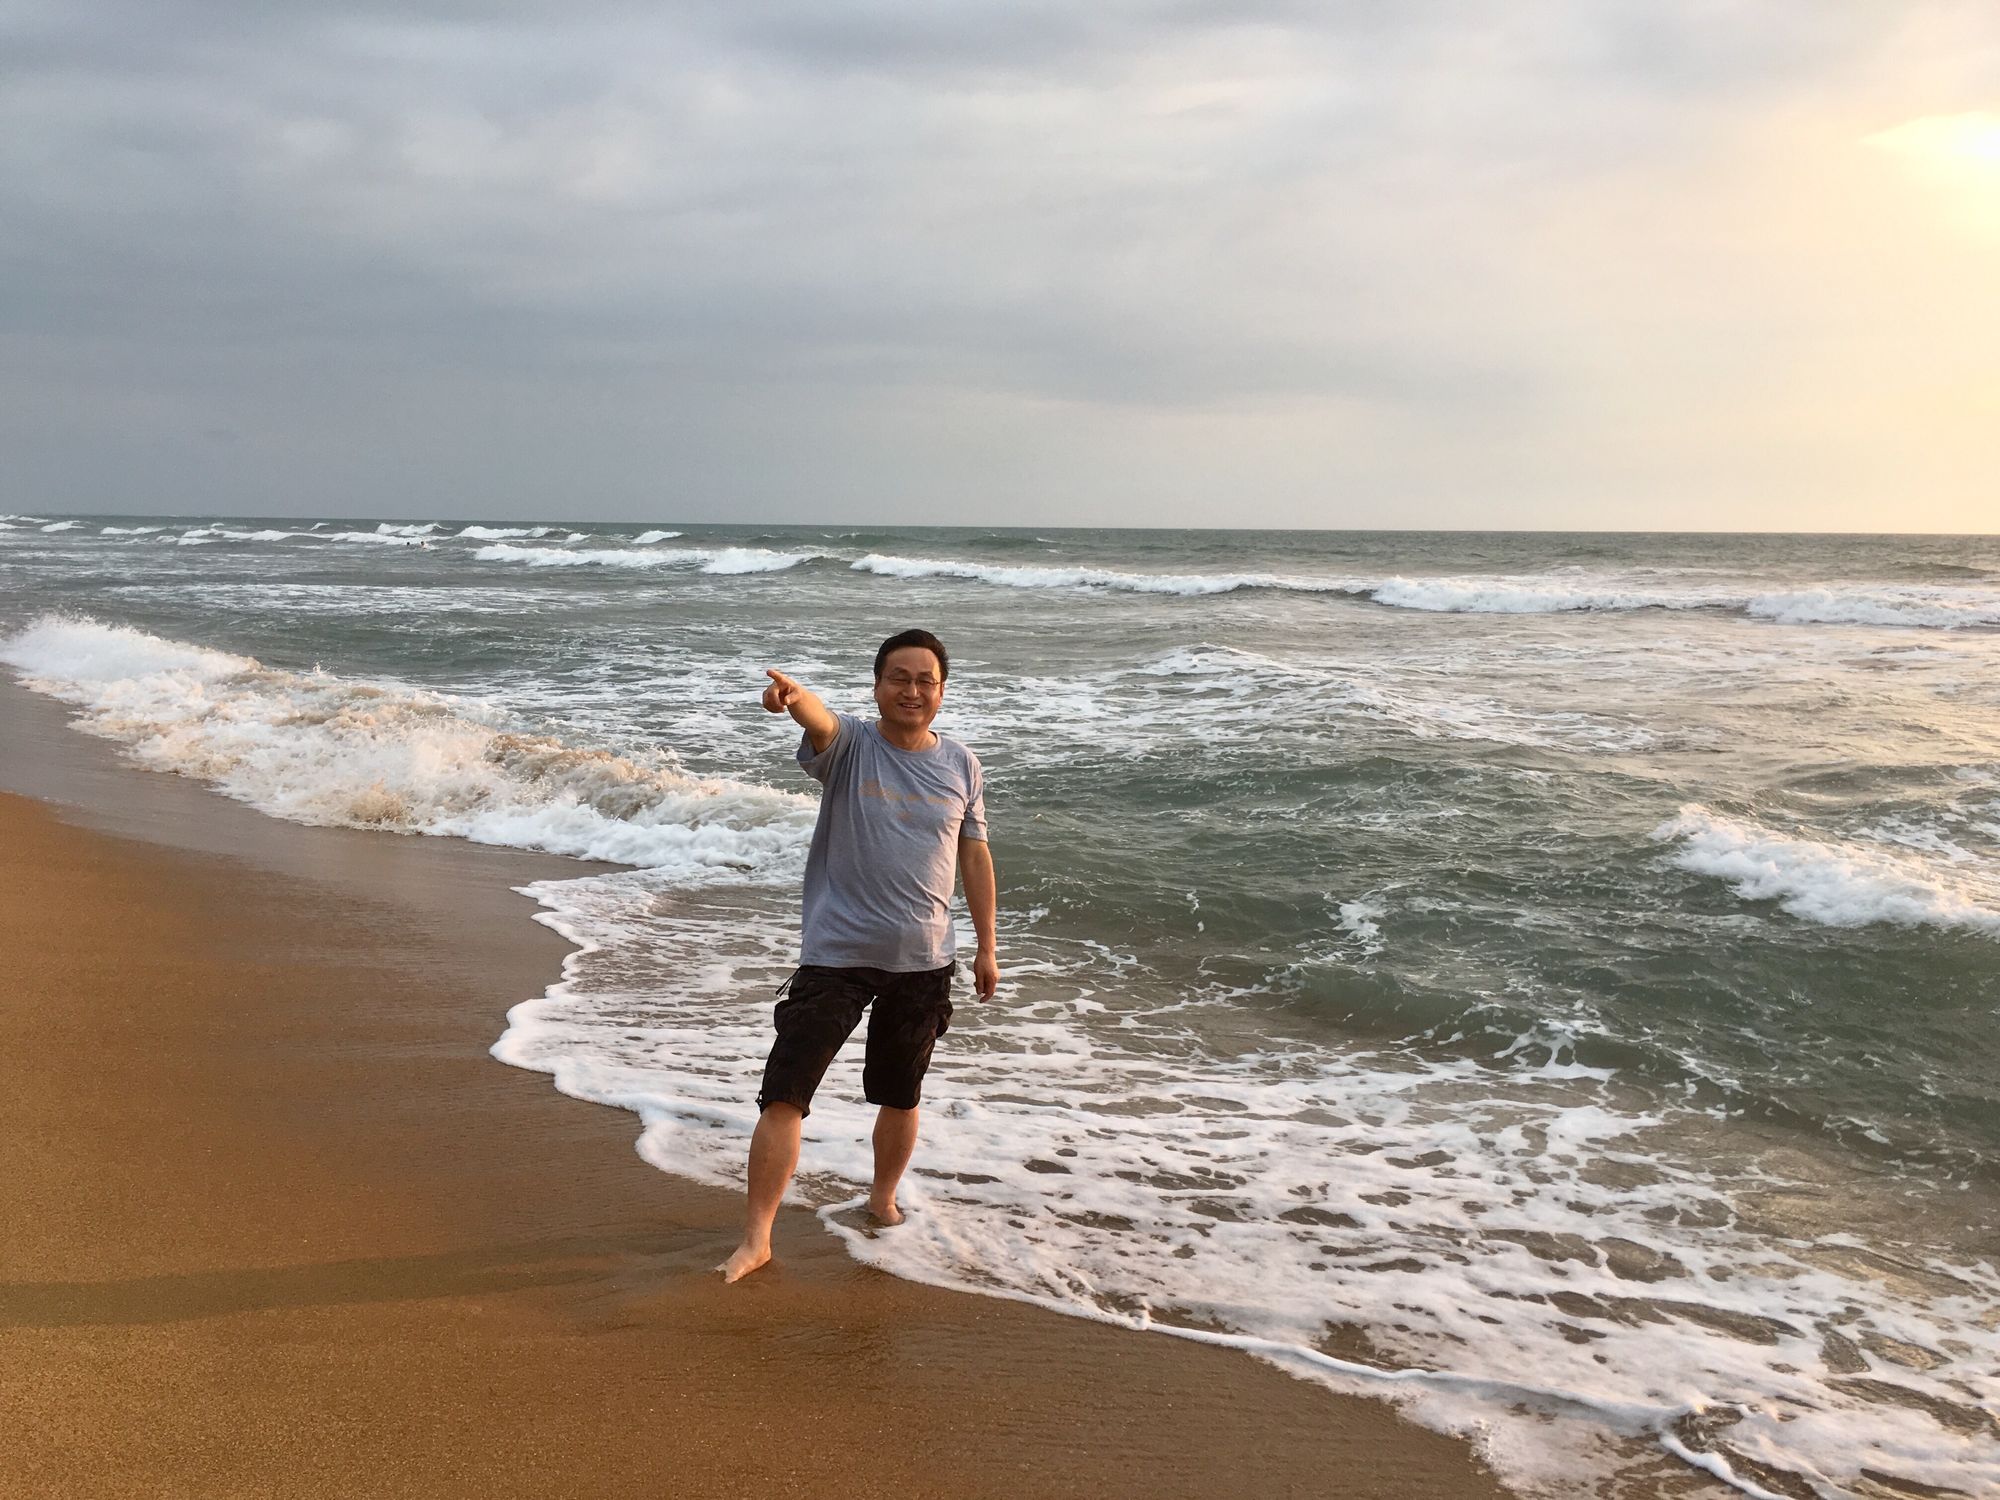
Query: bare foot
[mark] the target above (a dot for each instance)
(885, 1213)
(744, 1260)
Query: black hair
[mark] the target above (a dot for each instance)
(922, 638)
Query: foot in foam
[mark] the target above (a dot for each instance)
(885, 1213)
(742, 1261)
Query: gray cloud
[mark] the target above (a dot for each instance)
(888, 261)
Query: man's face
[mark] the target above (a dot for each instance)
(911, 687)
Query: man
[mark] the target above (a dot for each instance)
(903, 808)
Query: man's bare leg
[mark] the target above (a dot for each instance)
(895, 1143)
(774, 1156)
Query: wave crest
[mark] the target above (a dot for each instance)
(1019, 577)
(1937, 606)
(320, 749)
(501, 533)
(1834, 884)
(708, 559)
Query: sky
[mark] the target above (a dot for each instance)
(1570, 264)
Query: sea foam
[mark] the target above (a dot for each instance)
(1937, 606)
(1021, 577)
(502, 533)
(708, 559)
(317, 748)
(1505, 1246)
(1944, 608)
(398, 538)
(1846, 884)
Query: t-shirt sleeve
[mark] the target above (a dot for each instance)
(974, 825)
(822, 764)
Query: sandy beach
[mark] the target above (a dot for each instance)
(277, 1224)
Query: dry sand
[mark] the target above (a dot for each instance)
(275, 1225)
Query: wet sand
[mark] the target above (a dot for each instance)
(275, 1224)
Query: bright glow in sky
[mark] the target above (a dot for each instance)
(1541, 263)
(1972, 138)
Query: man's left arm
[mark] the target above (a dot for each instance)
(975, 870)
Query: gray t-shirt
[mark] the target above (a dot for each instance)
(885, 849)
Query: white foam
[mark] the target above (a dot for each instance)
(348, 599)
(1096, 578)
(388, 528)
(321, 749)
(1945, 608)
(220, 533)
(1939, 607)
(386, 538)
(1847, 884)
(1956, 606)
(130, 530)
(62, 525)
(1523, 1253)
(754, 560)
(1533, 595)
(560, 557)
(1363, 920)
(709, 560)
(75, 650)
(502, 533)
(647, 538)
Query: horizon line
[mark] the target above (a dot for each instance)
(963, 526)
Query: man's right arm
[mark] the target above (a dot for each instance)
(786, 696)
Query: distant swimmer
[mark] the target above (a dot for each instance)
(903, 812)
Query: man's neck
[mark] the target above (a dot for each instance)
(906, 739)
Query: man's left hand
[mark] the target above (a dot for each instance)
(985, 975)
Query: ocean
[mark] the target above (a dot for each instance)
(1550, 981)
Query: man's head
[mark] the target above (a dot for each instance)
(910, 671)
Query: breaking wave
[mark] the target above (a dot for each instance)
(707, 559)
(322, 749)
(1102, 578)
(501, 533)
(1939, 606)
(1848, 884)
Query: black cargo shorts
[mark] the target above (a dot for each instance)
(910, 1012)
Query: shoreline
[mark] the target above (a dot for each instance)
(283, 1226)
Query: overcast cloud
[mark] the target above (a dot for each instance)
(1548, 263)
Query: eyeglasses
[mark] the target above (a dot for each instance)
(904, 679)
